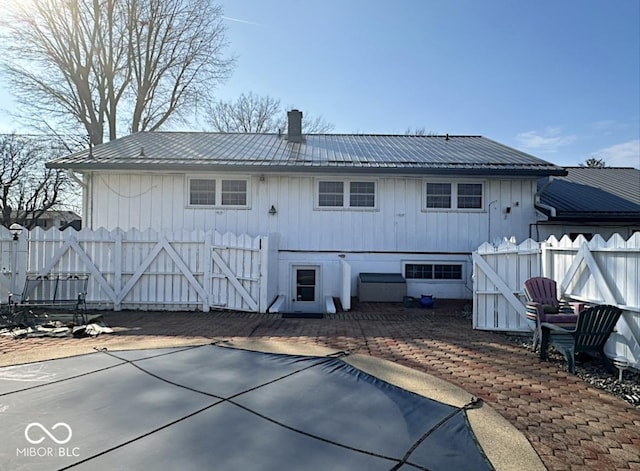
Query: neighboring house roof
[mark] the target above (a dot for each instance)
(192, 151)
(60, 215)
(593, 194)
(55, 214)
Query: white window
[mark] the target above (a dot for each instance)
(448, 195)
(360, 194)
(433, 271)
(218, 192)
(202, 192)
(470, 195)
(438, 195)
(234, 193)
(330, 194)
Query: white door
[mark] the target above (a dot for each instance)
(305, 293)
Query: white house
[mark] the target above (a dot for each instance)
(411, 205)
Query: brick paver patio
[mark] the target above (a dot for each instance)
(571, 425)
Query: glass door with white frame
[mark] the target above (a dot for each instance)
(306, 289)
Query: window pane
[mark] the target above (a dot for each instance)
(202, 192)
(306, 277)
(447, 272)
(331, 194)
(234, 192)
(362, 194)
(305, 285)
(418, 271)
(438, 195)
(470, 195)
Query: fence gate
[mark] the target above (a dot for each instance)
(235, 275)
(499, 273)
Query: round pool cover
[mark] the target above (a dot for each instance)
(221, 408)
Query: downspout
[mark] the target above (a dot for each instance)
(489, 211)
(75, 178)
(87, 200)
(538, 204)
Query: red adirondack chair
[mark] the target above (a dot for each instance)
(543, 306)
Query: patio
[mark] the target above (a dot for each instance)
(570, 424)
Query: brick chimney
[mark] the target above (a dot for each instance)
(294, 131)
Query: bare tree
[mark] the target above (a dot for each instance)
(27, 188)
(249, 113)
(593, 162)
(419, 131)
(259, 114)
(107, 64)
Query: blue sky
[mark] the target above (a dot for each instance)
(559, 79)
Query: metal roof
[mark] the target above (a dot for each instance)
(594, 194)
(318, 152)
(621, 181)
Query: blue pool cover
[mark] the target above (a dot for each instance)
(221, 408)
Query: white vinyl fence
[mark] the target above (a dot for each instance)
(145, 270)
(597, 271)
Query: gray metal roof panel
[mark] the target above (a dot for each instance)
(594, 194)
(620, 181)
(163, 150)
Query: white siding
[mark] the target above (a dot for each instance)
(399, 223)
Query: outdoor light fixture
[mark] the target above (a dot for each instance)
(622, 364)
(273, 210)
(15, 229)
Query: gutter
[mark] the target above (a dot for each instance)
(551, 209)
(87, 199)
(332, 168)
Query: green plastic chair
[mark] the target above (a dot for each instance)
(590, 334)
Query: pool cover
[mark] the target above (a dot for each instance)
(221, 408)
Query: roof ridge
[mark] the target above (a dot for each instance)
(236, 133)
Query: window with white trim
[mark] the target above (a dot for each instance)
(330, 194)
(446, 195)
(234, 193)
(202, 192)
(438, 195)
(470, 195)
(218, 192)
(362, 194)
(433, 271)
(356, 194)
